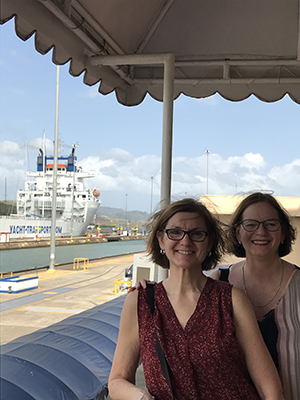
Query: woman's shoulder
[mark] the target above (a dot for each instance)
(291, 270)
(296, 273)
(152, 289)
(218, 285)
(219, 295)
(292, 280)
(132, 298)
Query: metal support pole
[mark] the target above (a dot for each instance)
(166, 159)
(168, 60)
(54, 188)
(126, 220)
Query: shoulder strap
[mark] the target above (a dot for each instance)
(150, 297)
(224, 274)
(161, 355)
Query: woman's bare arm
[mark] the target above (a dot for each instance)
(121, 384)
(259, 361)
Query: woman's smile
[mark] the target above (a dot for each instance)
(184, 252)
(260, 242)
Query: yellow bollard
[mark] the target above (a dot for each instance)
(76, 263)
(116, 285)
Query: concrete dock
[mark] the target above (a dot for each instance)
(60, 294)
(25, 243)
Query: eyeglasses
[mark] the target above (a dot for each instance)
(270, 225)
(195, 235)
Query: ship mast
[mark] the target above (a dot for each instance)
(54, 188)
(73, 188)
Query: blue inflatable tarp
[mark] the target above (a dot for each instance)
(70, 360)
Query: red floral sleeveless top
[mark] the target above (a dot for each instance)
(205, 359)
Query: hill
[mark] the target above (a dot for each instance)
(8, 207)
(120, 214)
(105, 215)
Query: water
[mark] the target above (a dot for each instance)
(22, 259)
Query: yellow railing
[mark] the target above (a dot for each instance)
(76, 263)
(119, 282)
(2, 275)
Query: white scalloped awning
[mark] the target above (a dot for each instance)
(233, 47)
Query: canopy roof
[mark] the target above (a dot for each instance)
(233, 47)
(70, 360)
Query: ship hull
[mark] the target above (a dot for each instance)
(38, 227)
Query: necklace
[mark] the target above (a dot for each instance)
(277, 290)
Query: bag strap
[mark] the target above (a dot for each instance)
(161, 355)
(224, 275)
(150, 297)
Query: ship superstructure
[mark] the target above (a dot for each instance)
(76, 205)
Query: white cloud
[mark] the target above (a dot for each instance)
(37, 143)
(249, 160)
(9, 148)
(118, 172)
(287, 176)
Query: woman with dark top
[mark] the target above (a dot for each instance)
(261, 232)
(206, 328)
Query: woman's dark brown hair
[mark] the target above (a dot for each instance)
(159, 220)
(233, 245)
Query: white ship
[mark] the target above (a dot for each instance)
(76, 205)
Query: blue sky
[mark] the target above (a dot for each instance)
(254, 145)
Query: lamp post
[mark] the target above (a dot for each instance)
(152, 177)
(54, 187)
(207, 154)
(126, 211)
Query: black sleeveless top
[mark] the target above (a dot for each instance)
(267, 326)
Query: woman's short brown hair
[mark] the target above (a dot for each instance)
(236, 248)
(159, 220)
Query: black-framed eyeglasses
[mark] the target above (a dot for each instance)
(196, 235)
(270, 225)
